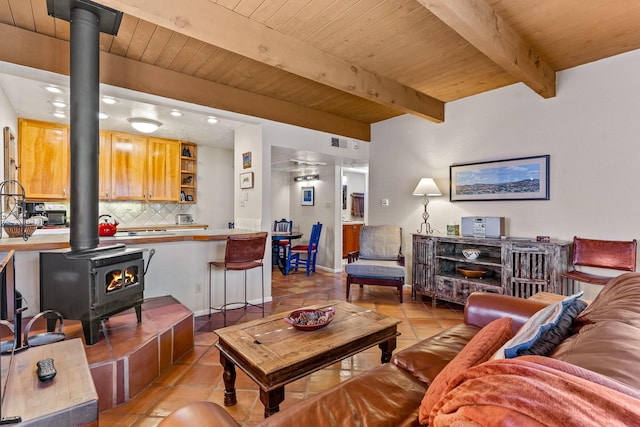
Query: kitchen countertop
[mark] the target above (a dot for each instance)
(60, 239)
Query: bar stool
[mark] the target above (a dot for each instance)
(241, 253)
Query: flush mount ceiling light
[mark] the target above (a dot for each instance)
(212, 120)
(103, 116)
(59, 114)
(59, 104)
(144, 125)
(176, 113)
(109, 100)
(53, 89)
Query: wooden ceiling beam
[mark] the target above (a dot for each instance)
(219, 26)
(50, 54)
(478, 24)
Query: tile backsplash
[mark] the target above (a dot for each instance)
(135, 214)
(140, 214)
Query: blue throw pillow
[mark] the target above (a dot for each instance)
(541, 322)
(554, 336)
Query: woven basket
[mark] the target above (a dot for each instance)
(16, 230)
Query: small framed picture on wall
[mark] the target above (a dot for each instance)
(308, 194)
(246, 160)
(246, 180)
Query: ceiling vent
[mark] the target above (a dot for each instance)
(338, 143)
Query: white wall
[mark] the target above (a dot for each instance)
(248, 202)
(590, 129)
(216, 177)
(9, 118)
(280, 195)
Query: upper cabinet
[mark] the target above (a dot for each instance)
(132, 167)
(128, 167)
(43, 159)
(104, 190)
(163, 167)
(145, 169)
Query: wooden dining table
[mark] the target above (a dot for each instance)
(276, 238)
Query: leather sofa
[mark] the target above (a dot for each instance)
(605, 341)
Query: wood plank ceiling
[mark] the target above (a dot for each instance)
(332, 65)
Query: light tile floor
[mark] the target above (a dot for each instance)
(198, 375)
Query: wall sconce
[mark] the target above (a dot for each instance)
(426, 187)
(307, 178)
(144, 125)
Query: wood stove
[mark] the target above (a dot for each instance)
(88, 282)
(92, 285)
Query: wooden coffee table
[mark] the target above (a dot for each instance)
(273, 353)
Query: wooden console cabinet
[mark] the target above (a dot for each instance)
(514, 266)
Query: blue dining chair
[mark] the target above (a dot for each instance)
(306, 254)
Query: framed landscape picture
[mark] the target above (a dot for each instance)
(307, 196)
(524, 178)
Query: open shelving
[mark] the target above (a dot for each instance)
(188, 172)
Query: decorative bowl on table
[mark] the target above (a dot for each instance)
(310, 319)
(472, 272)
(471, 253)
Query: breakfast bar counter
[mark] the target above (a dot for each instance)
(180, 265)
(134, 236)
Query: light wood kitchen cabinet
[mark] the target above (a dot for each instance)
(43, 159)
(144, 169)
(128, 167)
(350, 238)
(104, 182)
(131, 167)
(517, 267)
(163, 170)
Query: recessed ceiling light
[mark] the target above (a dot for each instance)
(53, 89)
(103, 116)
(60, 114)
(109, 100)
(144, 125)
(176, 113)
(59, 104)
(212, 120)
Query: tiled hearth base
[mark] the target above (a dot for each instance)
(135, 354)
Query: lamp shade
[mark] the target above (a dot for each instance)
(144, 125)
(427, 187)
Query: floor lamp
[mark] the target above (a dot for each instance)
(426, 188)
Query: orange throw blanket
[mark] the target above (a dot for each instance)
(535, 391)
